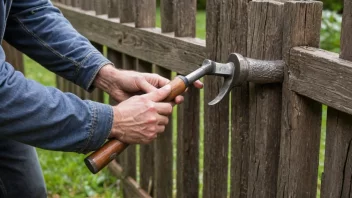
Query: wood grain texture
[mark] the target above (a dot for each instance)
(187, 113)
(131, 186)
(127, 10)
(146, 152)
(240, 104)
(145, 13)
(216, 119)
(181, 55)
(163, 145)
(163, 157)
(301, 117)
(185, 20)
(113, 8)
(128, 157)
(167, 15)
(322, 76)
(98, 94)
(346, 38)
(264, 42)
(336, 181)
(101, 7)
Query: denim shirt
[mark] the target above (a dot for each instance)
(44, 116)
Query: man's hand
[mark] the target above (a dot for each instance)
(123, 84)
(139, 119)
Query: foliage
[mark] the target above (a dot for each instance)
(335, 5)
(330, 31)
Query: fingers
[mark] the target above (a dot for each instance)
(163, 108)
(159, 94)
(145, 86)
(198, 84)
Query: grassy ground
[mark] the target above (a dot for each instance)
(65, 173)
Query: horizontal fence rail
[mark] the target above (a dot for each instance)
(272, 130)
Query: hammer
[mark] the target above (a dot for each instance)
(235, 72)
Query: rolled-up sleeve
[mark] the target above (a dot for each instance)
(39, 29)
(47, 118)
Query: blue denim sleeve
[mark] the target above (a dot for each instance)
(47, 118)
(38, 29)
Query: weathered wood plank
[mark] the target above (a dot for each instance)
(145, 13)
(129, 183)
(98, 94)
(187, 113)
(113, 8)
(163, 146)
(127, 11)
(346, 38)
(101, 7)
(336, 181)
(264, 42)
(216, 127)
(301, 117)
(167, 15)
(240, 105)
(146, 152)
(163, 154)
(181, 55)
(185, 12)
(322, 76)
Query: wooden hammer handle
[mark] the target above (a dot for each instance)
(101, 157)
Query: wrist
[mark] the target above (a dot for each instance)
(104, 78)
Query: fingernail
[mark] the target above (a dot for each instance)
(167, 87)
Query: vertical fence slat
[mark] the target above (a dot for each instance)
(240, 106)
(145, 13)
(98, 94)
(167, 15)
(216, 120)
(265, 43)
(188, 112)
(336, 181)
(163, 154)
(128, 157)
(127, 11)
(145, 17)
(113, 8)
(101, 7)
(301, 117)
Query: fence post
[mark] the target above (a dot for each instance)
(240, 107)
(216, 120)
(264, 42)
(188, 112)
(301, 117)
(336, 181)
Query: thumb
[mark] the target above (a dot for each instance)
(159, 94)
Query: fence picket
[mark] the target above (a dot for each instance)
(240, 107)
(188, 112)
(101, 7)
(127, 11)
(97, 95)
(163, 153)
(265, 43)
(113, 8)
(301, 117)
(336, 181)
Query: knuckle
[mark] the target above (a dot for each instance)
(151, 107)
(152, 119)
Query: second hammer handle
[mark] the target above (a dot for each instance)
(101, 157)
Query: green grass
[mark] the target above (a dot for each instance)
(66, 174)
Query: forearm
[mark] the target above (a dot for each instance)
(39, 30)
(47, 118)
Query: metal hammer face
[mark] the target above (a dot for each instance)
(238, 70)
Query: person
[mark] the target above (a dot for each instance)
(32, 115)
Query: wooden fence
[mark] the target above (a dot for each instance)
(274, 128)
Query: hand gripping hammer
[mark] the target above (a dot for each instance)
(236, 71)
